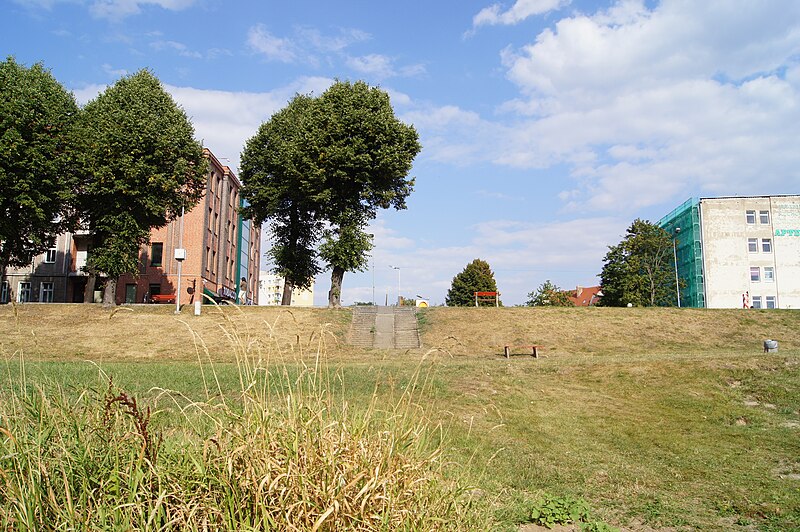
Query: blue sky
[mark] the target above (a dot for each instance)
(547, 126)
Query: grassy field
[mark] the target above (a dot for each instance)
(658, 418)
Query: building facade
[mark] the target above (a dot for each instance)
(270, 288)
(735, 252)
(222, 254)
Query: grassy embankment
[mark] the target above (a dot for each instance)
(657, 417)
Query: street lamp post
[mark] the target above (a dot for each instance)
(180, 255)
(398, 282)
(372, 237)
(675, 259)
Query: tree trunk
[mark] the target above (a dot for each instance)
(287, 293)
(110, 294)
(88, 292)
(335, 293)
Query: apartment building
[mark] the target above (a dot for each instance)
(735, 252)
(221, 256)
(270, 287)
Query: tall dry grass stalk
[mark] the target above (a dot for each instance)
(288, 452)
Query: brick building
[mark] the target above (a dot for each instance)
(221, 250)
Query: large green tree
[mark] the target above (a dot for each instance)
(477, 276)
(333, 160)
(365, 156)
(143, 165)
(284, 188)
(640, 269)
(549, 294)
(37, 166)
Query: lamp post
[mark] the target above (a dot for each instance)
(372, 237)
(180, 255)
(675, 259)
(398, 282)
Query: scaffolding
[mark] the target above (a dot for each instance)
(683, 225)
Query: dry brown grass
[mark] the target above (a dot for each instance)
(608, 331)
(155, 332)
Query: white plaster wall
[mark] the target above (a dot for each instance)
(727, 260)
(786, 225)
(270, 292)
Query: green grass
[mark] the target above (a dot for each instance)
(662, 434)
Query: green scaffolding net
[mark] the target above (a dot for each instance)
(683, 224)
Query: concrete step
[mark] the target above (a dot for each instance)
(384, 328)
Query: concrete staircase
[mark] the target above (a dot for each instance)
(385, 328)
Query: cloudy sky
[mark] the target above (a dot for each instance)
(547, 125)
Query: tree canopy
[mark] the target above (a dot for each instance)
(640, 269)
(477, 276)
(37, 166)
(549, 294)
(143, 165)
(327, 163)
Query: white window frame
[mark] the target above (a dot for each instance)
(50, 256)
(752, 245)
(756, 302)
(750, 217)
(763, 217)
(757, 271)
(766, 245)
(770, 302)
(46, 292)
(26, 292)
(769, 274)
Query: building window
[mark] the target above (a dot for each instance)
(763, 217)
(751, 217)
(46, 292)
(752, 245)
(756, 302)
(769, 274)
(4, 292)
(766, 245)
(50, 255)
(23, 292)
(755, 274)
(770, 301)
(156, 253)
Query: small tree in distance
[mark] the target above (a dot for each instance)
(549, 294)
(477, 276)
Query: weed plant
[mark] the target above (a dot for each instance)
(288, 452)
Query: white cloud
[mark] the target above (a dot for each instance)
(332, 43)
(178, 47)
(225, 120)
(522, 9)
(272, 47)
(114, 72)
(645, 106)
(119, 9)
(382, 67)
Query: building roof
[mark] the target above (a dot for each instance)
(585, 296)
